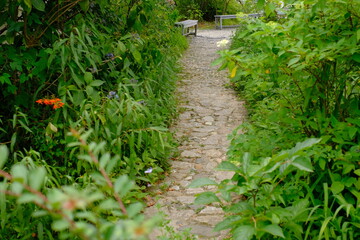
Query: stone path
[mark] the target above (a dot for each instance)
(208, 113)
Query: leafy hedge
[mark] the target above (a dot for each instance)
(87, 98)
(296, 170)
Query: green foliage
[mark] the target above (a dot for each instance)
(300, 78)
(206, 9)
(96, 211)
(111, 65)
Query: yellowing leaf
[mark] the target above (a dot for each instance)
(52, 127)
(233, 72)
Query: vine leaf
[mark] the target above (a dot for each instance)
(206, 198)
(274, 230)
(39, 5)
(200, 182)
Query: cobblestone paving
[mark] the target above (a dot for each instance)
(208, 113)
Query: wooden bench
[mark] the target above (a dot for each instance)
(186, 25)
(219, 18)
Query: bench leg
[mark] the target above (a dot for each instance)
(196, 27)
(220, 23)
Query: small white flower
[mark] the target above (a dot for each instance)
(222, 43)
(149, 170)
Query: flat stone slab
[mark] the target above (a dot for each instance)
(211, 211)
(202, 230)
(190, 154)
(181, 165)
(208, 119)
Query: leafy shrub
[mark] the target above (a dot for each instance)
(298, 77)
(206, 9)
(96, 211)
(106, 68)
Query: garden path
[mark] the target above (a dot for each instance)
(208, 113)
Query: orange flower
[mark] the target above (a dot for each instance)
(55, 102)
(58, 105)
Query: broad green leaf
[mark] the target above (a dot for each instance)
(200, 182)
(105, 158)
(274, 230)
(121, 47)
(28, 3)
(5, 78)
(39, 213)
(305, 144)
(29, 197)
(206, 198)
(4, 154)
(357, 171)
(123, 185)
(78, 97)
(109, 204)
(217, 61)
(16, 187)
(19, 173)
(337, 187)
(37, 177)
(356, 57)
(97, 83)
(244, 232)
(303, 163)
(60, 225)
(269, 8)
(136, 54)
(293, 61)
(84, 5)
(352, 131)
(134, 209)
(229, 222)
(241, 207)
(89, 90)
(90, 216)
(88, 77)
(260, 4)
(227, 166)
(39, 5)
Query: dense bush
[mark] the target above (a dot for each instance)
(206, 9)
(296, 171)
(104, 68)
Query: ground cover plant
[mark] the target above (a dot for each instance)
(296, 167)
(87, 98)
